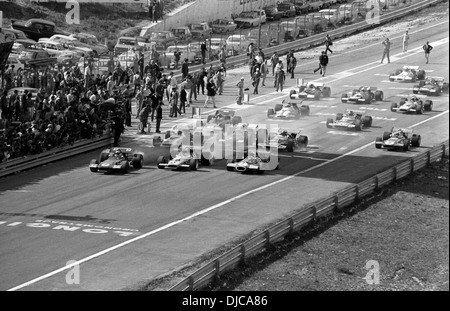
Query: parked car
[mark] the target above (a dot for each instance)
(318, 21)
(200, 30)
(248, 19)
(186, 53)
(301, 6)
(223, 25)
(72, 44)
(183, 34)
(13, 34)
(238, 43)
(36, 28)
(332, 15)
(315, 5)
(13, 59)
(272, 13)
(23, 44)
(286, 9)
(163, 39)
(127, 43)
(90, 41)
(35, 57)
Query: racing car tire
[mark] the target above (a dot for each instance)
(270, 112)
(317, 95)
(339, 116)
(94, 169)
(304, 110)
(193, 164)
(367, 121)
(303, 140)
(379, 95)
(386, 135)
(160, 160)
(329, 122)
(419, 109)
(393, 106)
(292, 92)
(342, 98)
(416, 140)
(278, 107)
(167, 134)
(358, 125)
(377, 145)
(124, 167)
(326, 91)
(445, 87)
(368, 99)
(103, 156)
(290, 146)
(428, 105)
(406, 145)
(301, 88)
(421, 74)
(138, 161)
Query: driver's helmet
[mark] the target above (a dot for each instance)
(414, 98)
(351, 113)
(311, 86)
(284, 133)
(117, 153)
(180, 132)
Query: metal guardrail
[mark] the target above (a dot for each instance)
(309, 214)
(20, 164)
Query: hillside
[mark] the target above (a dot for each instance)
(105, 21)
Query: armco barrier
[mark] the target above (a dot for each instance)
(20, 164)
(339, 200)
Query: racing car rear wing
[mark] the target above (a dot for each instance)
(301, 82)
(437, 79)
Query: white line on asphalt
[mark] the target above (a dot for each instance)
(204, 211)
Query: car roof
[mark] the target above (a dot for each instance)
(39, 20)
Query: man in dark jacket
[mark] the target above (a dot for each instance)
(185, 69)
(158, 116)
(210, 93)
(118, 127)
(323, 62)
(201, 81)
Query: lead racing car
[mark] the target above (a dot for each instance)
(350, 120)
(414, 104)
(310, 90)
(285, 140)
(117, 160)
(185, 159)
(363, 95)
(254, 162)
(223, 117)
(432, 86)
(288, 110)
(407, 74)
(398, 139)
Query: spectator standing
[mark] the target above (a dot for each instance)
(185, 69)
(137, 83)
(240, 86)
(143, 117)
(194, 81)
(274, 59)
(256, 79)
(210, 93)
(280, 78)
(177, 56)
(264, 71)
(159, 114)
(118, 127)
(203, 50)
(251, 51)
(292, 64)
(187, 84)
(328, 43)
(183, 99)
(405, 41)
(173, 102)
(154, 103)
(219, 80)
(278, 67)
(201, 81)
(427, 48)
(223, 55)
(387, 46)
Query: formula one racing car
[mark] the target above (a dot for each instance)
(415, 104)
(254, 162)
(362, 95)
(285, 140)
(398, 139)
(185, 159)
(310, 90)
(117, 160)
(288, 111)
(222, 117)
(407, 74)
(350, 120)
(432, 86)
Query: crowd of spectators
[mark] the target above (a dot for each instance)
(45, 108)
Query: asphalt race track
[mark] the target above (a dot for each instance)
(125, 230)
